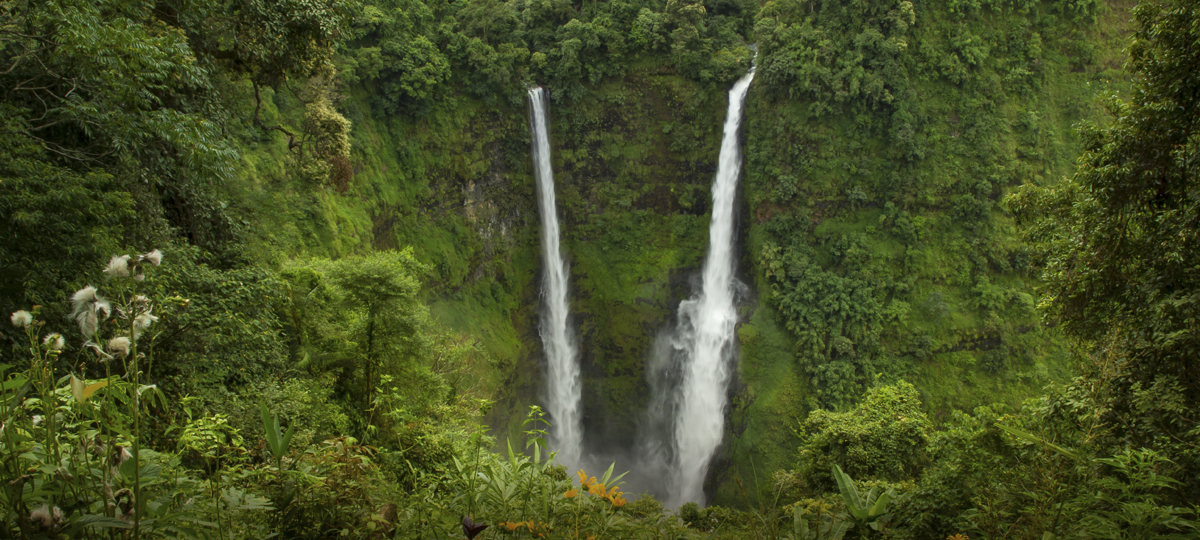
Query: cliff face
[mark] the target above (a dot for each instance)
(879, 147)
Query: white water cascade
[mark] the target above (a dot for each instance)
(562, 351)
(704, 335)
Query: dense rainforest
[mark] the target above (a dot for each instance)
(272, 267)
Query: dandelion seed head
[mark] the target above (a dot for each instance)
(142, 322)
(87, 322)
(21, 318)
(118, 267)
(54, 342)
(41, 515)
(154, 257)
(82, 297)
(103, 308)
(119, 346)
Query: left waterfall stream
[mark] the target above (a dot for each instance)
(563, 385)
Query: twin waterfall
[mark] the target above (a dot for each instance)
(562, 352)
(705, 330)
(694, 359)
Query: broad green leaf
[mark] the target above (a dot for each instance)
(93, 520)
(880, 505)
(849, 493)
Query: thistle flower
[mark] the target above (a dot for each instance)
(118, 267)
(120, 456)
(119, 346)
(82, 296)
(21, 318)
(154, 257)
(141, 323)
(87, 322)
(45, 516)
(54, 342)
(88, 309)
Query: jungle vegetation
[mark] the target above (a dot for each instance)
(270, 266)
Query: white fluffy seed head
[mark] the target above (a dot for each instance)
(54, 342)
(41, 515)
(118, 346)
(21, 318)
(154, 257)
(142, 322)
(118, 267)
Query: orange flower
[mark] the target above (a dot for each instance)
(596, 489)
(571, 493)
(619, 502)
(510, 525)
(583, 477)
(529, 524)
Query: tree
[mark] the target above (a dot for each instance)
(884, 437)
(1119, 242)
(383, 288)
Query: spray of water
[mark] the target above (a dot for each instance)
(562, 351)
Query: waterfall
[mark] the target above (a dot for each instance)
(562, 356)
(703, 339)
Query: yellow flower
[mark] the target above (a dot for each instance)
(571, 493)
(510, 525)
(583, 477)
(619, 502)
(596, 489)
(529, 524)
(958, 537)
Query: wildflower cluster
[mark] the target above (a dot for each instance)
(591, 485)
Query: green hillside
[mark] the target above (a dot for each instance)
(936, 211)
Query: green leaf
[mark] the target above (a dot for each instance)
(271, 428)
(849, 493)
(880, 505)
(287, 441)
(93, 520)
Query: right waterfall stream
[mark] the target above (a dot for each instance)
(692, 368)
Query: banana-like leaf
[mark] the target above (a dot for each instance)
(271, 428)
(287, 441)
(880, 505)
(849, 493)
